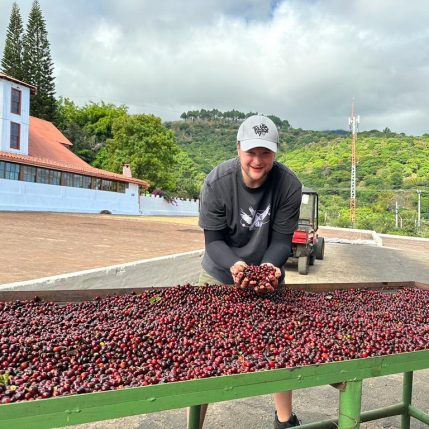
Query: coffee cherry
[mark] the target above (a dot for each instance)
(186, 332)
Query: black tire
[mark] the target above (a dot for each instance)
(319, 250)
(312, 258)
(303, 262)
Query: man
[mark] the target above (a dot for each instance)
(249, 209)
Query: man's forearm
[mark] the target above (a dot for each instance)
(279, 249)
(221, 253)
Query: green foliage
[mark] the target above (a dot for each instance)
(189, 178)
(38, 65)
(12, 54)
(87, 127)
(144, 143)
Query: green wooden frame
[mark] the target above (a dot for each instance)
(76, 409)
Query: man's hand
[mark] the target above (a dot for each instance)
(237, 273)
(274, 279)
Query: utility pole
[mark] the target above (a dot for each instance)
(353, 124)
(418, 208)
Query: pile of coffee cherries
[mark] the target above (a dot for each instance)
(186, 332)
(262, 278)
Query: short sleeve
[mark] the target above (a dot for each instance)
(212, 210)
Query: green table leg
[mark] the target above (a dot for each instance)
(350, 405)
(194, 417)
(407, 394)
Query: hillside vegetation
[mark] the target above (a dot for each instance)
(391, 168)
(174, 158)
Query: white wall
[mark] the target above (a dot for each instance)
(26, 196)
(6, 116)
(157, 206)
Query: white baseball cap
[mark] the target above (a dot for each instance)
(258, 131)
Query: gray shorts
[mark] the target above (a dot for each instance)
(205, 277)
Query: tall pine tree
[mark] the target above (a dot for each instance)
(11, 62)
(38, 66)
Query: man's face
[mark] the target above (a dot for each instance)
(255, 163)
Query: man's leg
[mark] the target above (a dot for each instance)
(206, 278)
(283, 403)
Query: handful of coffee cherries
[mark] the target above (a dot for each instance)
(261, 278)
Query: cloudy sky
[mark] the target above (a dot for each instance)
(302, 60)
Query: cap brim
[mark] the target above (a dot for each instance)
(252, 143)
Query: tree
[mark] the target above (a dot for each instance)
(189, 178)
(11, 62)
(38, 65)
(147, 145)
(87, 127)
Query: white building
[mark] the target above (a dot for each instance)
(39, 172)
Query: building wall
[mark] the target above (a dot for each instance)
(26, 196)
(6, 117)
(156, 206)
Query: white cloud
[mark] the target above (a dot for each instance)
(302, 60)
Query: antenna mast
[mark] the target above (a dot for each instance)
(353, 124)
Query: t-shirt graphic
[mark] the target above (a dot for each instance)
(255, 219)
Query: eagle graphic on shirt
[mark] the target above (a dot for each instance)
(255, 219)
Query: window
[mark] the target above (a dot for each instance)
(54, 177)
(121, 186)
(28, 174)
(15, 101)
(67, 179)
(42, 175)
(77, 181)
(15, 131)
(50, 177)
(2, 169)
(105, 185)
(86, 182)
(12, 171)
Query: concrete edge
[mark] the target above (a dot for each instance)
(405, 237)
(144, 273)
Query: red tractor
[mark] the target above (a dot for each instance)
(306, 244)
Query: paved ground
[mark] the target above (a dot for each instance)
(38, 245)
(42, 244)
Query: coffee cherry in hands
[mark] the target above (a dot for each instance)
(260, 277)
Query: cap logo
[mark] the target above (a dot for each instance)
(261, 130)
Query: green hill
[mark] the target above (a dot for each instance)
(391, 168)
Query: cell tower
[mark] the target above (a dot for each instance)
(353, 124)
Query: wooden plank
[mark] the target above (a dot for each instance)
(76, 295)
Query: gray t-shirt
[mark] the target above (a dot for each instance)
(247, 214)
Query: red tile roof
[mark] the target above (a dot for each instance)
(49, 148)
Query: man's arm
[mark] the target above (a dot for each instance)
(218, 250)
(279, 249)
(222, 254)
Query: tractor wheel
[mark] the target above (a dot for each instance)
(303, 265)
(312, 258)
(320, 248)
